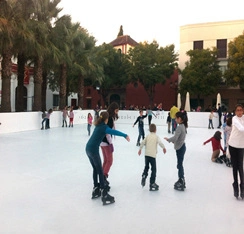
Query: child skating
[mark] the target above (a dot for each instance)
(151, 143)
(140, 122)
(216, 146)
(179, 145)
(89, 123)
(92, 151)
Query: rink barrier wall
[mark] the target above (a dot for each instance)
(27, 121)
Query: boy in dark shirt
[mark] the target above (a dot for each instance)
(140, 122)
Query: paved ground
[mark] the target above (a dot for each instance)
(46, 185)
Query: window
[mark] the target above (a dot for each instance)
(222, 48)
(197, 45)
(55, 99)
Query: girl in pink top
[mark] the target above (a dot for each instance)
(89, 123)
(71, 117)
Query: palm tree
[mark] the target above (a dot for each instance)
(9, 21)
(44, 12)
(63, 38)
(22, 50)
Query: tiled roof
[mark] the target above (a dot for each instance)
(123, 40)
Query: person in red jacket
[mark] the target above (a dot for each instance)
(216, 145)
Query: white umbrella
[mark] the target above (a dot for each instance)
(179, 101)
(218, 100)
(187, 104)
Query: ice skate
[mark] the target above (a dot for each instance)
(242, 191)
(223, 158)
(236, 190)
(218, 160)
(106, 184)
(228, 163)
(138, 144)
(106, 198)
(180, 185)
(143, 180)
(96, 192)
(154, 187)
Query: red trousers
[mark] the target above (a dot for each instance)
(107, 158)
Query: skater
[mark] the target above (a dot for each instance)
(151, 143)
(44, 118)
(216, 145)
(50, 111)
(227, 127)
(89, 123)
(107, 144)
(173, 111)
(210, 120)
(64, 115)
(140, 122)
(71, 117)
(150, 114)
(236, 148)
(179, 145)
(92, 151)
(168, 121)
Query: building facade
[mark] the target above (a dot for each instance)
(209, 35)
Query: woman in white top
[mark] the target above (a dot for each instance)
(236, 149)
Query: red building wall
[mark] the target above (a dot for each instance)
(137, 96)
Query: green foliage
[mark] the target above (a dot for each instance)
(235, 72)
(201, 76)
(151, 65)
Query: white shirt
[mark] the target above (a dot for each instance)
(151, 142)
(237, 133)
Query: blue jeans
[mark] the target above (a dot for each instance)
(96, 163)
(152, 162)
(89, 129)
(180, 157)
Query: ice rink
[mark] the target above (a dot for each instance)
(46, 185)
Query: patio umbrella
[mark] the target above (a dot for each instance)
(179, 101)
(218, 100)
(187, 104)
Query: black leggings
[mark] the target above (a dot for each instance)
(236, 155)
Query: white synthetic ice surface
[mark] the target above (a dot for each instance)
(46, 185)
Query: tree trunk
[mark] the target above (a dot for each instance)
(19, 104)
(80, 91)
(6, 78)
(62, 86)
(44, 90)
(38, 85)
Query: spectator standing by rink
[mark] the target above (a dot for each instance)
(236, 148)
(140, 122)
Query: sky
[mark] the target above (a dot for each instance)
(145, 20)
